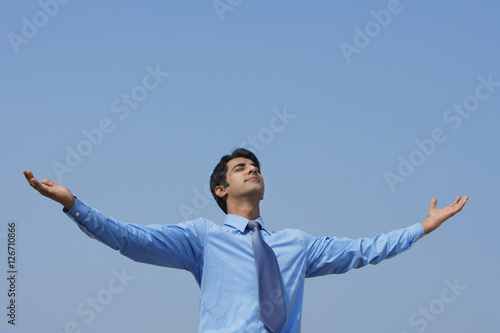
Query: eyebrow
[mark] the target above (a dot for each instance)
(241, 164)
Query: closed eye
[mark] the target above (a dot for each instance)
(241, 167)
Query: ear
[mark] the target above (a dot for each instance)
(220, 191)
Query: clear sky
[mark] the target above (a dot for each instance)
(360, 112)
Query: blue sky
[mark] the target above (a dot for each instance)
(360, 113)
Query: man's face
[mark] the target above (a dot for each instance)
(244, 179)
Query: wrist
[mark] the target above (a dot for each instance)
(69, 204)
(429, 225)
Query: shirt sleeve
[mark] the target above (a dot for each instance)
(338, 255)
(176, 246)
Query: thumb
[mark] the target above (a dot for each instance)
(47, 182)
(433, 203)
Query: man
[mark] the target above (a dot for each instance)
(225, 260)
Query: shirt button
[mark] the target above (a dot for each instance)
(77, 214)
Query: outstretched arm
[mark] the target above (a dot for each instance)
(436, 217)
(51, 190)
(178, 246)
(330, 255)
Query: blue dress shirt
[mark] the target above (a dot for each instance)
(221, 260)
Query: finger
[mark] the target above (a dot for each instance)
(31, 179)
(28, 175)
(47, 182)
(36, 184)
(433, 203)
(463, 201)
(458, 204)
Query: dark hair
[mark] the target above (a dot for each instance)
(218, 176)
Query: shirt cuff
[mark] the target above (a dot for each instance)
(78, 212)
(416, 232)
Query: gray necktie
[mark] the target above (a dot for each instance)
(271, 302)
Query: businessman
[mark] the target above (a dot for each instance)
(251, 278)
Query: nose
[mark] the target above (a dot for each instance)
(253, 169)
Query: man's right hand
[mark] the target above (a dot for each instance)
(51, 190)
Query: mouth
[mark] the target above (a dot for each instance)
(255, 179)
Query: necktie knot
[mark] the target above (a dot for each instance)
(252, 224)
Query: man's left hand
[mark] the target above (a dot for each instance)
(436, 217)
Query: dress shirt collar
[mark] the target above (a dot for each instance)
(240, 223)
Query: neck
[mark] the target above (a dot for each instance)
(246, 209)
